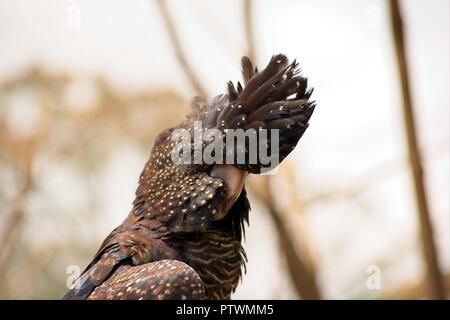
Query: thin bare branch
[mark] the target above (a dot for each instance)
(181, 57)
(434, 274)
(303, 276)
(416, 290)
(375, 175)
(299, 265)
(249, 34)
(15, 218)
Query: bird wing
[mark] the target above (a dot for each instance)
(169, 201)
(159, 280)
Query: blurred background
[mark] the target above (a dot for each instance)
(85, 86)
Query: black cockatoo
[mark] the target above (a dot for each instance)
(182, 238)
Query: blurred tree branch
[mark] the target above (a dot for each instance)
(179, 53)
(374, 175)
(16, 216)
(428, 245)
(24, 150)
(300, 266)
(417, 290)
(249, 35)
(77, 135)
(300, 269)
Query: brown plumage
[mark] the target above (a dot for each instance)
(182, 238)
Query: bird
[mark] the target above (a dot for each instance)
(183, 237)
